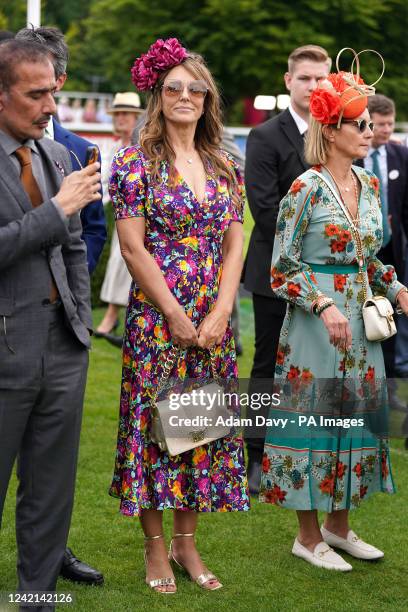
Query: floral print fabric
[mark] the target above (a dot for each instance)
(303, 468)
(185, 238)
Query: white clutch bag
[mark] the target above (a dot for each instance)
(378, 319)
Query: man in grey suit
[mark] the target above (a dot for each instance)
(45, 315)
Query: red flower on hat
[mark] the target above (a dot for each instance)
(162, 54)
(335, 95)
(338, 82)
(325, 105)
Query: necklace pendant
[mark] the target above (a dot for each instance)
(360, 275)
(347, 189)
(189, 161)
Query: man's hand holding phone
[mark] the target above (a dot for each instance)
(79, 189)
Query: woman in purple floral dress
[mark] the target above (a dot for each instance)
(178, 202)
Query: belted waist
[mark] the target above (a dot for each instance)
(336, 269)
(193, 242)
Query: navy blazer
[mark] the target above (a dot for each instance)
(397, 168)
(92, 216)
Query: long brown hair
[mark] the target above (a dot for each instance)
(154, 139)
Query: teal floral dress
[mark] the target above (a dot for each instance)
(185, 238)
(316, 463)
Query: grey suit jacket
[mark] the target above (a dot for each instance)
(34, 241)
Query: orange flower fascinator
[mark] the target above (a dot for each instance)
(342, 94)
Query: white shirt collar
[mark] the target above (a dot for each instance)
(302, 125)
(49, 130)
(381, 150)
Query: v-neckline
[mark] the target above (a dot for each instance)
(333, 182)
(191, 190)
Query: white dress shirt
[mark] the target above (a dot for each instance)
(302, 125)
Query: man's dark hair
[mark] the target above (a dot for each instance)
(381, 104)
(14, 52)
(53, 40)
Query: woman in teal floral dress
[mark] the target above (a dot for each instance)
(318, 265)
(178, 202)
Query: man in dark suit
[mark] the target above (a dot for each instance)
(92, 219)
(45, 313)
(389, 161)
(274, 158)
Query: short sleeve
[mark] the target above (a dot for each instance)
(238, 196)
(127, 184)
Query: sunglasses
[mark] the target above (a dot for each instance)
(361, 124)
(196, 89)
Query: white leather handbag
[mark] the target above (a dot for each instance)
(378, 319)
(196, 423)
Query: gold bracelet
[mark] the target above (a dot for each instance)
(321, 305)
(398, 309)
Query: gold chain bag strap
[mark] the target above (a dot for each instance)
(377, 311)
(181, 422)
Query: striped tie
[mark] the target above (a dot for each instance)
(383, 198)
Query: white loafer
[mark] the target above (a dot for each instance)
(322, 556)
(352, 544)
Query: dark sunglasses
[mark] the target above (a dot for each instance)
(196, 89)
(362, 124)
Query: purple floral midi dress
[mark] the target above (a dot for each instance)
(185, 238)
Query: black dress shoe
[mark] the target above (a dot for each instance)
(254, 477)
(99, 334)
(115, 340)
(75, 570)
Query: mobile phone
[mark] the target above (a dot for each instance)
(91, 155)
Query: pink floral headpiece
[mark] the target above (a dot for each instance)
(342, 94)
(162, 54)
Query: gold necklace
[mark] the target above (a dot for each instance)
(355, 219)
(338, 184)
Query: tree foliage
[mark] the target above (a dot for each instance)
(245, 42)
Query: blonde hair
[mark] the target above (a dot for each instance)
(207, 139)
(316, 143)
(313, 53)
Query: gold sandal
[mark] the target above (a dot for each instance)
(158, 582)
(203, 578)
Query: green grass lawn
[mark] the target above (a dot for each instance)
(250, 552)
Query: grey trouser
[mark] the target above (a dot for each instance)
(41, 425)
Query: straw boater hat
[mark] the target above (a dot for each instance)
(129, 101)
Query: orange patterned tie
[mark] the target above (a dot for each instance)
(30, 185)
